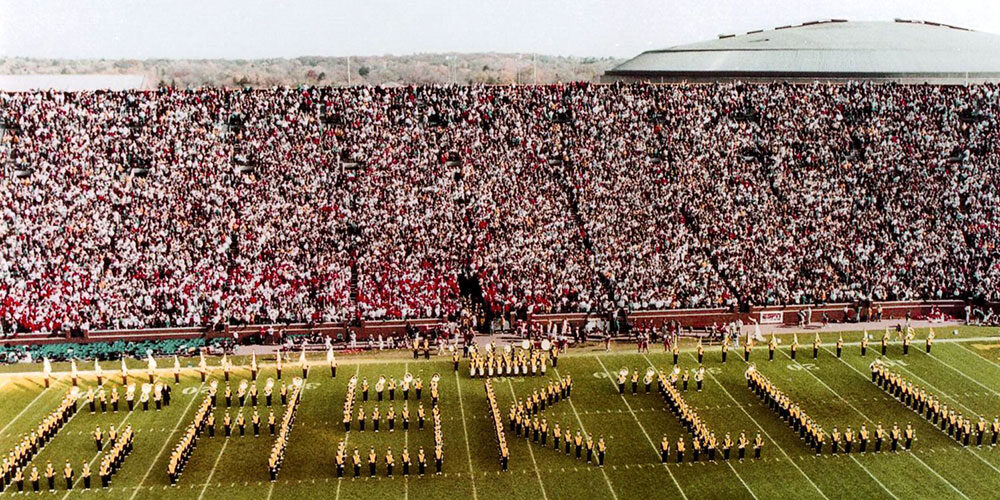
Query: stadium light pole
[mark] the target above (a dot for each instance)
(534, 67)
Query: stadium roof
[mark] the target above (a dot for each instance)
(903, 51)
(71, 83)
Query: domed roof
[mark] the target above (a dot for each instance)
(907, 51)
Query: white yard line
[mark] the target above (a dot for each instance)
(988, 360)
(406, 442)
(952, 486)
(956, 370)
(221, 452)
(738, 476)
(531, 452)
(611, 379)
(99, 453)
(761, 428)
(347, 435)
(887, 490)
(168, 440)
(835, 393)
(940, 477)
(465, 429)
(580, 421)
(16, 417)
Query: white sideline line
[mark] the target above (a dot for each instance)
(761, 428)
(643, 429)
(835, 393)
(738, 476)
(347, 435)
(914, 455)
(168, 440)
(579, 421)
(531, 452)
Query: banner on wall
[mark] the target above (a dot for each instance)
(772, 317)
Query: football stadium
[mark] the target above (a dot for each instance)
(762, 266)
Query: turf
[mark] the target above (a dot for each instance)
(963, 370)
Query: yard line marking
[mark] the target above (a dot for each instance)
(406, 443)
(347, 435)
(579, 421)
(270, 491)
(893, 495)
(776, 445)
(465, 429)
(745, 485)
(99, 453)
(24, 410)
(913, 454)
(221, 452)
(956, 370)
(167, 441)
(941, 478)
(530, 451)
(611, 379)
(824, 384)
(988, 360)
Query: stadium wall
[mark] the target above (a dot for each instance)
(694, 318)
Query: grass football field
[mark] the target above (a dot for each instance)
(964, 371)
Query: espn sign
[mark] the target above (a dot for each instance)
(772, 317)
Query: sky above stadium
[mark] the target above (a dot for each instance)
(249, 29)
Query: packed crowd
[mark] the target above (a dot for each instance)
(199, 207)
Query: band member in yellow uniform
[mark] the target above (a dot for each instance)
(746, 352)
(421, 461)
(758, 444)
(771, 346)
(602, 448)
(725, 349)
(68, 474)
(701, 352)
(840, 345)
(930, 341)
(816, 346)
(795, 345)
(908, 434)
(848, 439)
(389, 462)
(676, 351)
(357, 463)
(727, 446)
(885, 341)
(438, 458)
(741, 446)
(664, 449)
(864, 344)
(85, 474)
(680, 449)
(50, 475)
(372, 459)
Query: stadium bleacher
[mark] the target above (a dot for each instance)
(660, 197)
